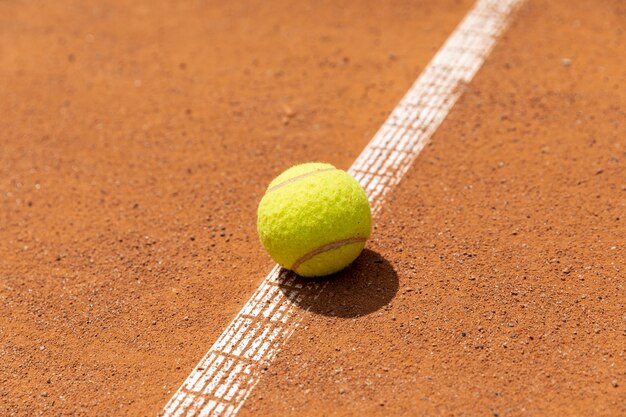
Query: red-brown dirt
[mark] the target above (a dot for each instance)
(137, 138)
(508, 241)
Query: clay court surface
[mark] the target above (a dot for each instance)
(137, 138)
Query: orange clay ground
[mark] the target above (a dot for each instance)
(136, 140)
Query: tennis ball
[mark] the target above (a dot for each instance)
(314, 219)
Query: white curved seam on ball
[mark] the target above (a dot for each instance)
(325, 248)
(298, 178)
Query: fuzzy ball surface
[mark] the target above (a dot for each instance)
(314, 219)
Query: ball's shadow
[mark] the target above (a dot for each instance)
(367, 285)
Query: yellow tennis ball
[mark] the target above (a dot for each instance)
(314, 219)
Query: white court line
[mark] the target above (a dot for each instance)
(232, 365)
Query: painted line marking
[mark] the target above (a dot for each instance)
(232, 367)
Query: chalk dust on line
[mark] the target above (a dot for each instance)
(227, 374)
